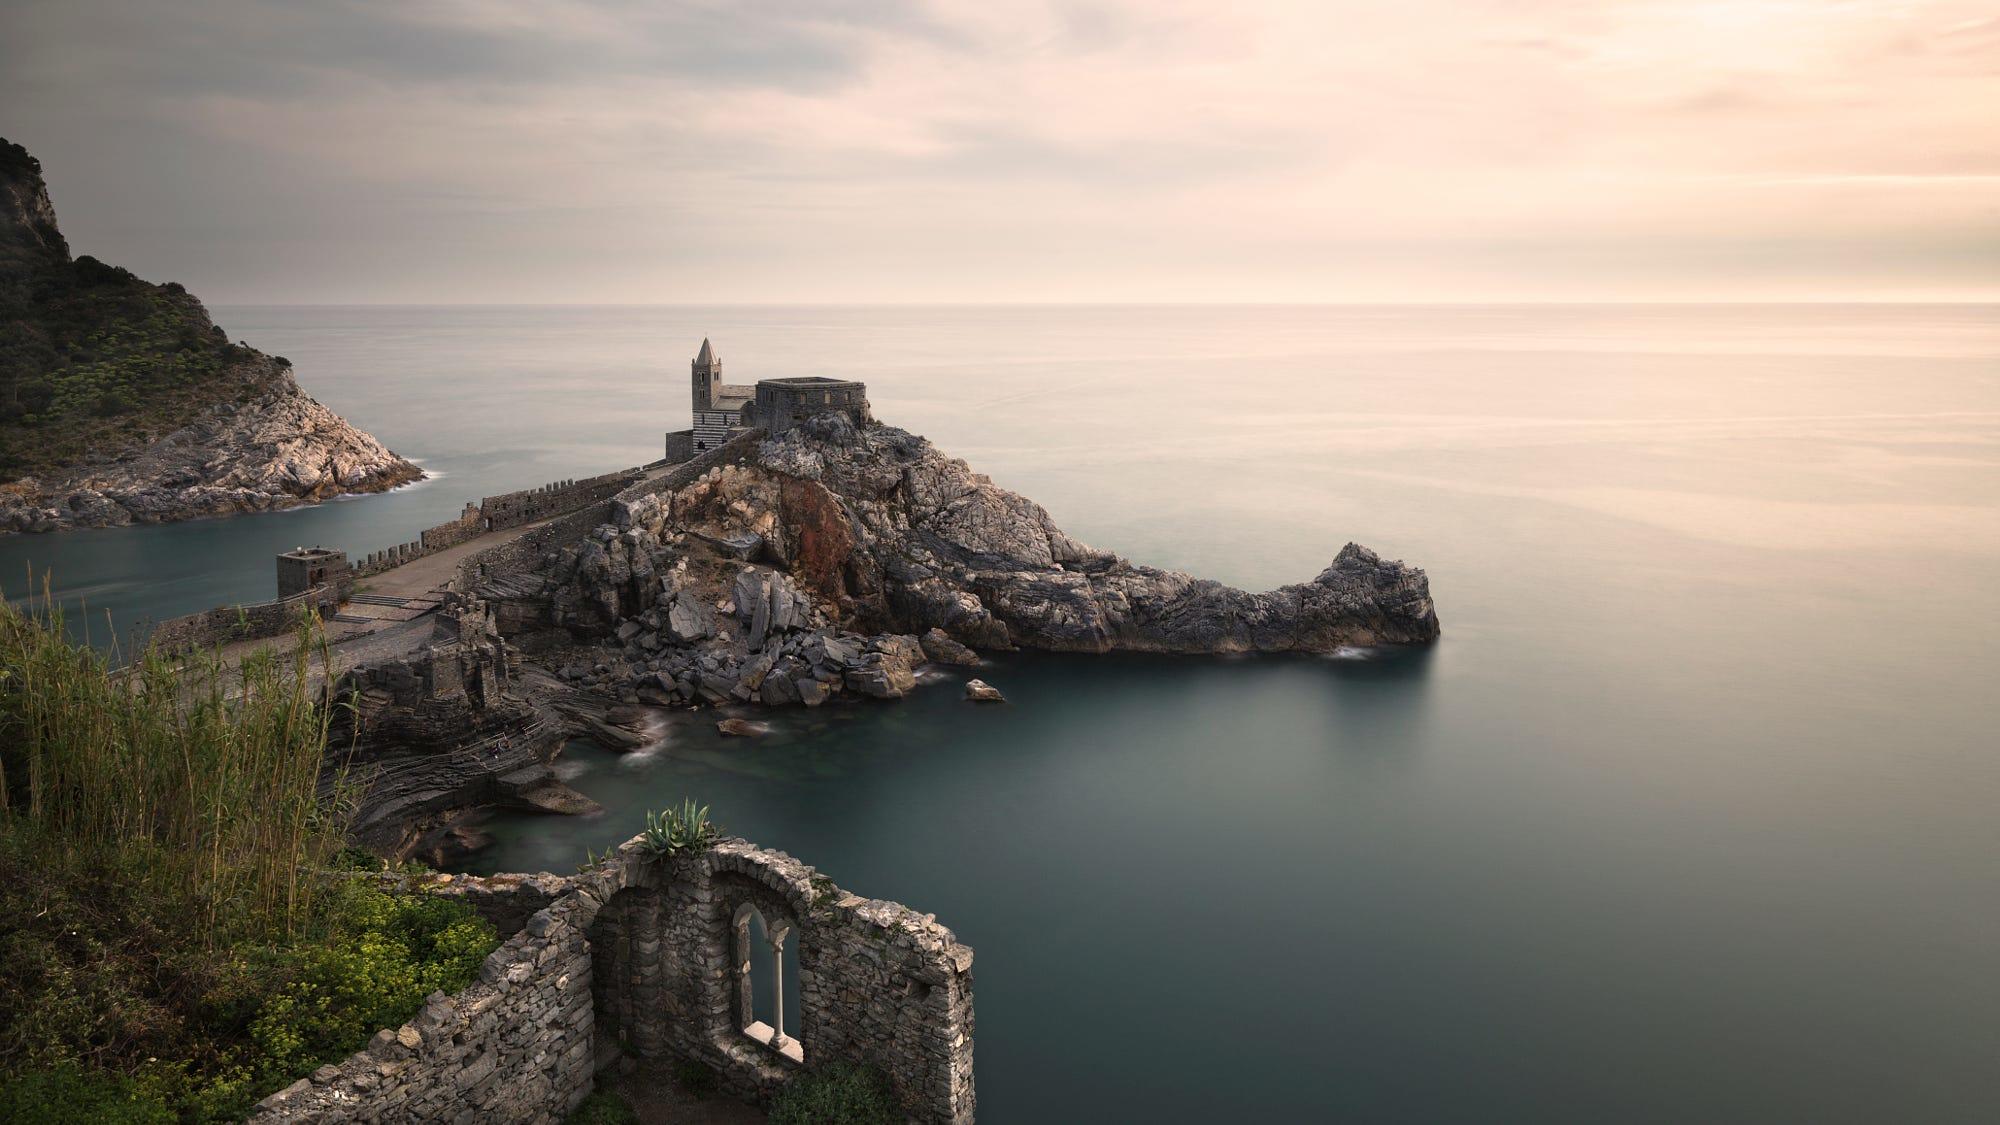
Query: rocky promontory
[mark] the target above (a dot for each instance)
(838, 557)
(122, 402)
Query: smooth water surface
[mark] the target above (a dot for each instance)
(1690, 816)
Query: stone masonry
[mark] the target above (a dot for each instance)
(654, 952)
(724, 410)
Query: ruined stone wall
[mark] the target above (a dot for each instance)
(228, 623)
(880, 984)
(650, 949)
(514, 1046)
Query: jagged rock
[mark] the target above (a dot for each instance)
(715, 687)
(778, 690)
(884, 675)
(689, 620)
(979, 691)
(742, 728)
(868, 536)
(885, 532)
(939, 648)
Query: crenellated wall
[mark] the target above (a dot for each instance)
(654, 951)
(494, 513)
(513, 509)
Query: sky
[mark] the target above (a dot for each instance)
(836, 151)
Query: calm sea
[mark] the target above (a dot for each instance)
(1690, 817)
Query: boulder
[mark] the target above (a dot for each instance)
(884, 675)
(939, 648)
(979, 691)
(777, 691)
(688, 620)
(742, 728)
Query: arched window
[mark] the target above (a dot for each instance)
(767, 969)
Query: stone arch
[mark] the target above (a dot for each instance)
(758, 953)
(669, 936)
(782, 912)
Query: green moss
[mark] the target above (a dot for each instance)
(602, 1107)
(698, 1079)
(836, 1095)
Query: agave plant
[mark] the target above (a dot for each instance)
(674, 831)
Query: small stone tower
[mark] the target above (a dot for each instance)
(304, 568)
(707, 377)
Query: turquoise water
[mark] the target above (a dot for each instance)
(1690, 816)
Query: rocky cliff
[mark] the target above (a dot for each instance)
(122, 402)
(836, 558)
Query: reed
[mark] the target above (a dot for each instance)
(196, 776)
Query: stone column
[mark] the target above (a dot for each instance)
(777, 935)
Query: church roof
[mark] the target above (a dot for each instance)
(706, 355)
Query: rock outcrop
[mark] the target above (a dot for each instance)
(810, 564)
(450, 727)
(122, 402)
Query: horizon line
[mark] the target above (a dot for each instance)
(1459, 302)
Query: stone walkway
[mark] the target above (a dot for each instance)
(388, 616)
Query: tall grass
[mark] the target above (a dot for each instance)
(194, 775)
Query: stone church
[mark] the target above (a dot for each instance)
(723, 410)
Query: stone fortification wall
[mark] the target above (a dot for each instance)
(224, 624)
(680, 446)
(513, 509)
(525, 553)
(495, 513)
(654, 950)
(783, 403)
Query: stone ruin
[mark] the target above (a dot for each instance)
(653, 956)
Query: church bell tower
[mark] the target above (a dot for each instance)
(707, 376)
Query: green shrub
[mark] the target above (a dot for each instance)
(66, 1094)
(677, 830)
(602, 1107)
(839, 1094)
(177, 942)
(393, 952)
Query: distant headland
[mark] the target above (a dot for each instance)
(122, 402)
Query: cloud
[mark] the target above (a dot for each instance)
(1046, 149)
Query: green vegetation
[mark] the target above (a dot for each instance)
(93, 359)
(677, 830)
(836, 1095)
(602, 1107)
(698, 1079)
(182, 939)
